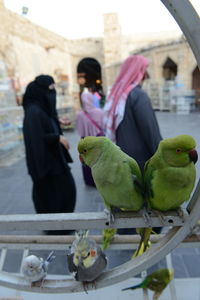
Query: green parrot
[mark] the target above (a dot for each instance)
(169, 178)
(117, 176)
(170, 173)
(156, 281)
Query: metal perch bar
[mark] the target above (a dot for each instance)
(129, 269)
(86, 220)
(62, 241)
(120, 242)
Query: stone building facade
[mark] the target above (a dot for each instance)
(173, 68)
(27, 50)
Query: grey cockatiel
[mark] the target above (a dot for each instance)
(34, 268)
(86, 259)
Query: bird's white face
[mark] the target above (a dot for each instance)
(32, 264)
(32, 269)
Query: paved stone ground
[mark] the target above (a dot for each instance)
(15, 195)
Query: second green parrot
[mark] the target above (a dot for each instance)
(170, 173)
(169, 176)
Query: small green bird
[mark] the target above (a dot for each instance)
(169, 177)
(156, 281)
(86, 259)
(117, 177)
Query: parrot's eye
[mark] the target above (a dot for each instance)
(85, 150)
(178, 150)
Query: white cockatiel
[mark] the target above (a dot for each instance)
(35, 268)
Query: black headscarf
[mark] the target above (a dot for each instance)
(38, 92)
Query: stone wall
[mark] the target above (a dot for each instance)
(179, 51)
(112, 39)
(28, 50)
(160, 90)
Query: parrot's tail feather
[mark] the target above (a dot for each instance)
(50, 257)
(156, 295)
(144, 242)
(108, 235)
(140, 250)
(132, 287)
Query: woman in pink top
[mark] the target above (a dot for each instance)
(90, 119)
(89, 122)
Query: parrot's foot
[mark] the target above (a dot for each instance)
(156, 295)
(86, 283)
(37, 283)
(110, 216)
(94, 284)
(160, 215)
(147, 219)
(42, 283)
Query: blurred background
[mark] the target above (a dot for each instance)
(81, 43)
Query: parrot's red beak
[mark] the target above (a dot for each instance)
(81, 159)
(193, 155)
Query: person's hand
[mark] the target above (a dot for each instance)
(64, 142)
(65, 121)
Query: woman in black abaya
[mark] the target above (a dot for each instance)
(46, 149)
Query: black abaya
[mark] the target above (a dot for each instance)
(47, 160)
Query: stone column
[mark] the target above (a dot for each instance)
(111, 43)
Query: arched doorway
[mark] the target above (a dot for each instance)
(89, 74)
(196, 85)
(169, 69)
